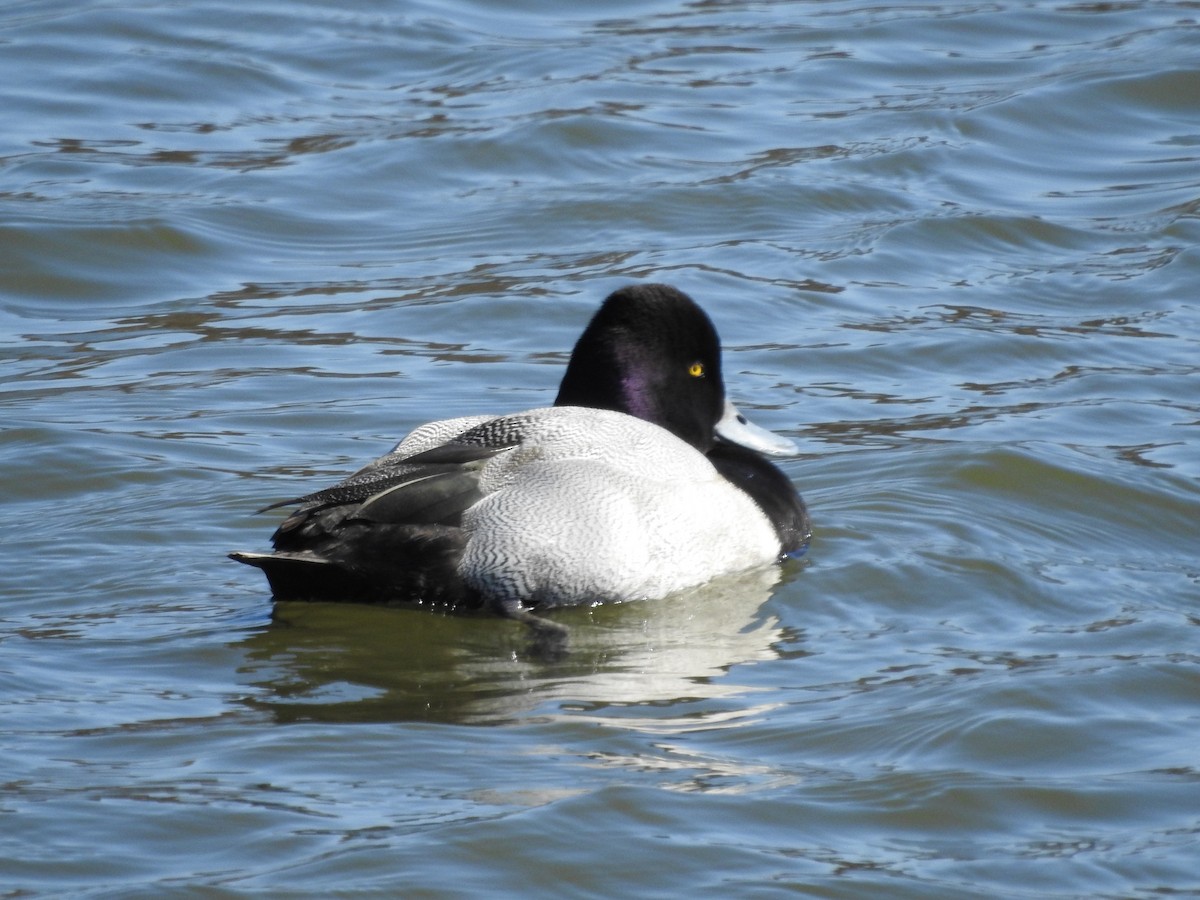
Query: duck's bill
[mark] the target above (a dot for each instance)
(737, 429)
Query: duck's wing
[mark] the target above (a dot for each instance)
(433, 448)
(392, 531)
(434, 487)
(392, 471)
(389, 533)
(437, 487)
(421, 484)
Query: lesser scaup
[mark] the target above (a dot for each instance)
(640, 481)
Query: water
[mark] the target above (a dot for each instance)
(952, 249)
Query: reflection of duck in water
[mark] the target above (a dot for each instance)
(641, 480)
(655, 665)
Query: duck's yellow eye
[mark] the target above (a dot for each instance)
(696, 370)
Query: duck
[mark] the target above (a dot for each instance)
(642, 480)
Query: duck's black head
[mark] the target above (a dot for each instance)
(651, 352)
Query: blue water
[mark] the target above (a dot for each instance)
(951, 249)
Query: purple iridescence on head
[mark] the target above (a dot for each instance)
(636, 390)
(636, 393)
